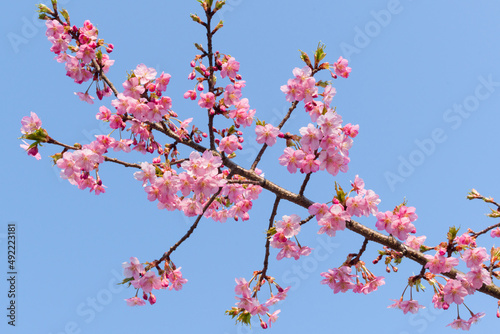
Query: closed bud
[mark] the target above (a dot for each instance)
(152, 299)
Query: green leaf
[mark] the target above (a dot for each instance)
(320, 53)
(65, 14)
(452, 233)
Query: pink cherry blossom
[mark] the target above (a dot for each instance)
(289, 226)
(135, 301)
(232, 95)
(328, 94)
(459, 324)
(133, 269)
(310, 137)
(207, 100)
(85, 53)
(266, 134)
(415, 242)
(474, 257)
(229, 144)
(411, 306)
(144, 74)
(495, 233)
(85, 97)
(291, 159)
(148, 282)
(176, 279)
(230, 68)
(133, 88)
(341, 68)
(454, 292)
(30, 123)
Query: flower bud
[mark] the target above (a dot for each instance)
(152, 298)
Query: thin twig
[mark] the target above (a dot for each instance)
(268, 239)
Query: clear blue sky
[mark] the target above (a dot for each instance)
(411, 73)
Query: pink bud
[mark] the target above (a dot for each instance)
(192, 63)
(263, 324)
(445, 306)
(200, 87)
(145, 296)
(152, 299)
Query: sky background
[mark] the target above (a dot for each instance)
(413, 64)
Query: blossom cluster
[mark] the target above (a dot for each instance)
(226, 101)
(323, 145)
(249, 305)
(341, 280)
(333, 218)
(80, 67)
(286, 229)
(398, 222)
(202, 178)
(135, 273)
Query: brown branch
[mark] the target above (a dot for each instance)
(304, 184)
(302, 222)
(358, 255)
(476, 234)
(268, 239)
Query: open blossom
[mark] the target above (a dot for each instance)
(474, 257)
(406, 306)
(460, 324)
(229, 144)
(147, 173)
(148, 282)
(495, 233)
(289, 226)
(311, 137)
(135, 301)
(292, 159)
(266, 134)
(230, 68)
(133, 269)
(439, 264)
(176, 280)
(144, 73)
(454, 292)
(30, 123)
(85, 97)
(415, 242)
(341, 68)
(206, 100)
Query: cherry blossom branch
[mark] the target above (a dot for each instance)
(304, 202)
